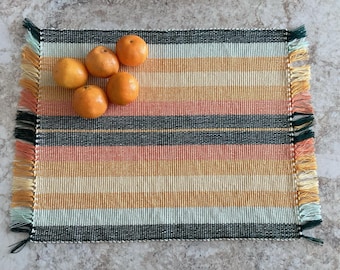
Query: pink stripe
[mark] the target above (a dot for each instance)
(176, 108)
(145, 153)
(28, 100)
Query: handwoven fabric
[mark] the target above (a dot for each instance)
(218, 144)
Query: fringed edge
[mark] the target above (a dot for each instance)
(23, 186)
(301, 116)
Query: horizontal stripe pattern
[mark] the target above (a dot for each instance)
(174, 51)
(197, 64)
(216, 137)
(164, 168)
(130, 200)
(189, 36)
(157, 122)
(218, 78)
(154, 216)
(175, 108)
(204, 152)
(165, 232)
(164, 152)
(190, 93)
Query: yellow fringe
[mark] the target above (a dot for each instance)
(30, 57)
(298, 87)
(299, 55)
(30, 85)
(305, 175)
(310, 196)
(308, 184)
(21, 183)
(305, 163)
(300, 73)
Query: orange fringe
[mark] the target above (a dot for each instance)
(305, 147)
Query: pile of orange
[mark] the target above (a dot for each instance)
(122, 88)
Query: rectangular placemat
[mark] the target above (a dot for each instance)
(218, 144)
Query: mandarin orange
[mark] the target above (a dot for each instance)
(131, 50)
(69, 73)
(101, 62)
(122, 88)
(90, 101)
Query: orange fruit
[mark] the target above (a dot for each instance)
(131, 50)
(89, 101)
(122, 88)
(101, 62)
(69, 73)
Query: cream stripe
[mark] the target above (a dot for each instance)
(144, 216)
(187, 79)
(269, 49)
(164, 184)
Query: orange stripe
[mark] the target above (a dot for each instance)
(165, 199)
(196, 64)
(58, 108)
(22, 198)
(194, 93)
(162, 168)
(182, 152)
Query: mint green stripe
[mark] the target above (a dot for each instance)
(272, 49)
(148, 216)
(20, 216)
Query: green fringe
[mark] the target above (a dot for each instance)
(312, 239)
(304, 135)
(297, 33)
(300, 119)
(32, 28)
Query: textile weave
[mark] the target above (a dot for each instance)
(218, 144)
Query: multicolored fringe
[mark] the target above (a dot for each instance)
(25, 133)
(301, 110)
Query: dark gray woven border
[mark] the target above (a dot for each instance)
(166, 37)
(164, 231)
(162, 138)
(165, 122)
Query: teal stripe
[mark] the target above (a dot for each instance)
(149, 216)
(200, 50)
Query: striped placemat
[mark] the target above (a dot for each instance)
(218, 144)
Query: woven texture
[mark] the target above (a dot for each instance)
(217, 145)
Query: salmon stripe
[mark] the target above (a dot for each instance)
(67, 185)
(195, 64)
(162, 168)
(165, 199)
(176, 152)
(190, 93)
(64, 108)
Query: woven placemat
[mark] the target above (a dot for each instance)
(218, 144)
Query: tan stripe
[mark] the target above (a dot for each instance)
(165, 199)
(163, 168)
(197, 64)
(193, 93)
(190, 79)
(165, 183)
(160, 130)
